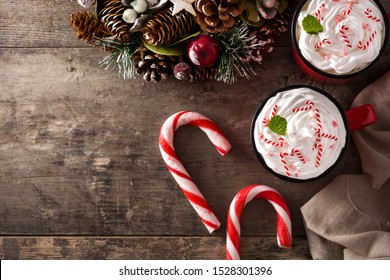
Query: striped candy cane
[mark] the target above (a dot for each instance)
(318, 12)
(273, 113)
(177, 169)
(324, 41)
(344, 36)
(305, 108)
(349, 9)
(318, 120)
(233, 227)
(326, 135)
(299, 155)
(367, 44)
(293, 152)
(281, 142)
(284, 163)
(370, 16)
(319, 154)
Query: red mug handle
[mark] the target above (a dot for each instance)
(360, 117)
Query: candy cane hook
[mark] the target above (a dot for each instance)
(233, 227)
(177, 169)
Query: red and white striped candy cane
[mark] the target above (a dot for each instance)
(305, 108)
(321, 43)
(299, 155)
(319, 154)
(371, 17)
(233, 227)
(318, 120)
(367, 44)
(344, 36)
(281, 142)
(177, 169)
(318, 12)
(330, 136)
(273, 113)
(349, 9)
(293, 152)
(284, 163)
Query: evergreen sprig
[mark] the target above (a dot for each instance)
(121, 54)
(235, 49)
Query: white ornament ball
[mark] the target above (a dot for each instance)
(129, 15)
(139, 6)
(86, 3)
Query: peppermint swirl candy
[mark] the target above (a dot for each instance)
(352, 38)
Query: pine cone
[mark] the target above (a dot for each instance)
(203, 73)
(164, 28)
(154, 67)
(111, 12)
(216, 16)
(265, 36)
(88, 27)
(273, 28)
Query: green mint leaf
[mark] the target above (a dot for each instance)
(311, 25)
(278, 125)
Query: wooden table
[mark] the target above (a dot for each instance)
(81, 172)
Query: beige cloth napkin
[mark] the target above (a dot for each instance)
(350, 218)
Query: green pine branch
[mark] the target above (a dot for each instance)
(121, 55)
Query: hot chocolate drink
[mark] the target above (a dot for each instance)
(340, 37)
(299, 133)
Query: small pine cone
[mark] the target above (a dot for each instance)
(111, 12)
(263, 46)
(88, 27)
(264, 36)
(164, 28)
(274, 27)
(215, 16)
(203, 73)
(154, 67)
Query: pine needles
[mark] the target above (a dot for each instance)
(121, 55)
(235, 50)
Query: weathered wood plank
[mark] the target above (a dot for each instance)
(149, 248)
(79, 151)
(37, 24)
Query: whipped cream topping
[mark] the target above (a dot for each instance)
(352, 38)
(314, 138)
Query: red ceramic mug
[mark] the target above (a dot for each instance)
(349, 29)
(316, 134)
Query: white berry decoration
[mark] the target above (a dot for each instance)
(139, 6)
(129, 15)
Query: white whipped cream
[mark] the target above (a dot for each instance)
(302, 143)
(352, 38)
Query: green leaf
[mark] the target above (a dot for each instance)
(311, 25)
(164, 50)
(186, 38)
(278, 125)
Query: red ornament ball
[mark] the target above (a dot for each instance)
(182, 71)
(203, 51)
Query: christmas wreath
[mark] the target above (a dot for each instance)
(188, 39)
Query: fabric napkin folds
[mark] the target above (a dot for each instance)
(350, 218)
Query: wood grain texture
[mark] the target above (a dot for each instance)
(79, 150)
(139, 248)
(79, 153)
